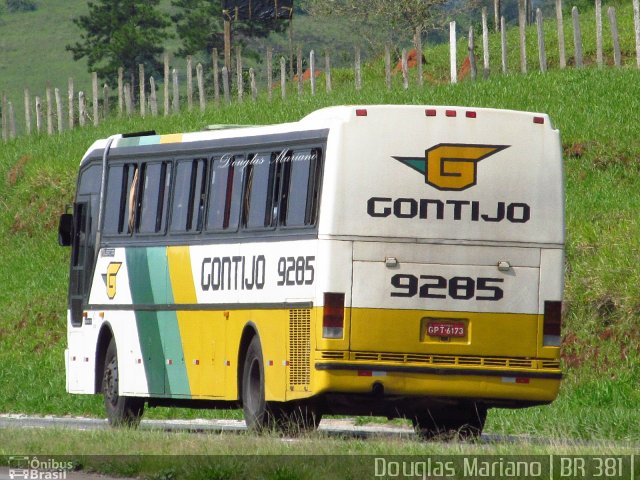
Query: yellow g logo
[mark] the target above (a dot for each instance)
(450, 166)
(112, 271)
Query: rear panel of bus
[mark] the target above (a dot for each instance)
(454, 220)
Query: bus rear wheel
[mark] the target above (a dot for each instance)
(455, 423)
(121, 411)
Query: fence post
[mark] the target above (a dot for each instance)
(577, 37)
(283, 77)
(239, 73)
(503, 43)
(496, 15)
(120, 91)
(599, 56)
(485, 44)
(225, 85)
(522, 21)
(327, 71)
(141, 85)
(189, 83)
(27, 110)
(200, 80)
(269, 73)
(299, 71)
(49, 111)
(419, 55)
(5, 129)
(153, 97)
(94, 92)
(58, 109)
(560, 22)
(128, 98)
(472, 55)
(636, 26)
(387, 66)
(453, 52)
(166, 84)
(542, 55)
(216, 81)
(358, 69)
(105, 101)
(176, 91)
(12, 121)
(71, 97)
(312, 71)
(252, 82)
(617, 57)
(82, 109)
(405, 69)
(39, 114)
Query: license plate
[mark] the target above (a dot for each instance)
(446, 329)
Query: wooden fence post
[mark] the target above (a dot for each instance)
(49, 110)
(167, 80)
(225, 85)
(636, 27)
(94, 91)
(39, 115)
(560, 22)
(418, 45)
(312, 71)
(153, 97)
(577, 37)
(453, 53)
(496, 15)
(200, 80)
(387, 66)
(120, 91)
(485, 44)
(141, 85)
(106, 106)
(269, 73)
(252, 83)
(128, 98)
(503, 43)
(472, 55)
(189, 83)
(617, 57)
(299, 71)
(240, 83)
(522, 22)
(176, 91)
(405, 69)
(58, 109)
(27, 111)
(71, 107)
(358, 69)
(12, 121)
(216, 81)
(327, 71)
(5, 120)
(82, 109)
(283, 77)
(542, 55)
(599, 55)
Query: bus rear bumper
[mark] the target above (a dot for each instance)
(493, 387)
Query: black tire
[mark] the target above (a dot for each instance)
(454, 423)
(295, 418)
(254, 405)
(121, 411)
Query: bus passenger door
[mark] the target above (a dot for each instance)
(81, 258)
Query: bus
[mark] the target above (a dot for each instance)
(397, 261)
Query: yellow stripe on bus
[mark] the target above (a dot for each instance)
(171, 138)
(196, 328)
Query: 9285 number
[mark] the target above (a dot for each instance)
(296, 270)
(458, 288)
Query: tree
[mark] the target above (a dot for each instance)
(199, 25)
(121, 33)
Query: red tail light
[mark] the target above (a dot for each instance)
(333, 315)
(552, 324)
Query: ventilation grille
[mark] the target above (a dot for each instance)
(332, 355)
(299, 348)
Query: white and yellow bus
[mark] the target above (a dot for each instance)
(403, 261)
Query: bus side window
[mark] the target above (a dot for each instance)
(187, 214)
(258, 193)
(225, 192)
(121, 198)
(154, 197)
(301, 187)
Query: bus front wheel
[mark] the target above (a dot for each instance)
(254, 404)
(121, 411)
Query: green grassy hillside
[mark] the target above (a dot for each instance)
(591, 108)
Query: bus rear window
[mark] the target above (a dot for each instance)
(301, 185)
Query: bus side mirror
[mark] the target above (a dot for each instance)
(65, 229)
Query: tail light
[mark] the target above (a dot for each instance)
(333, 315)
(552, 324)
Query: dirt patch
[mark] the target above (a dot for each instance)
(17, 171)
